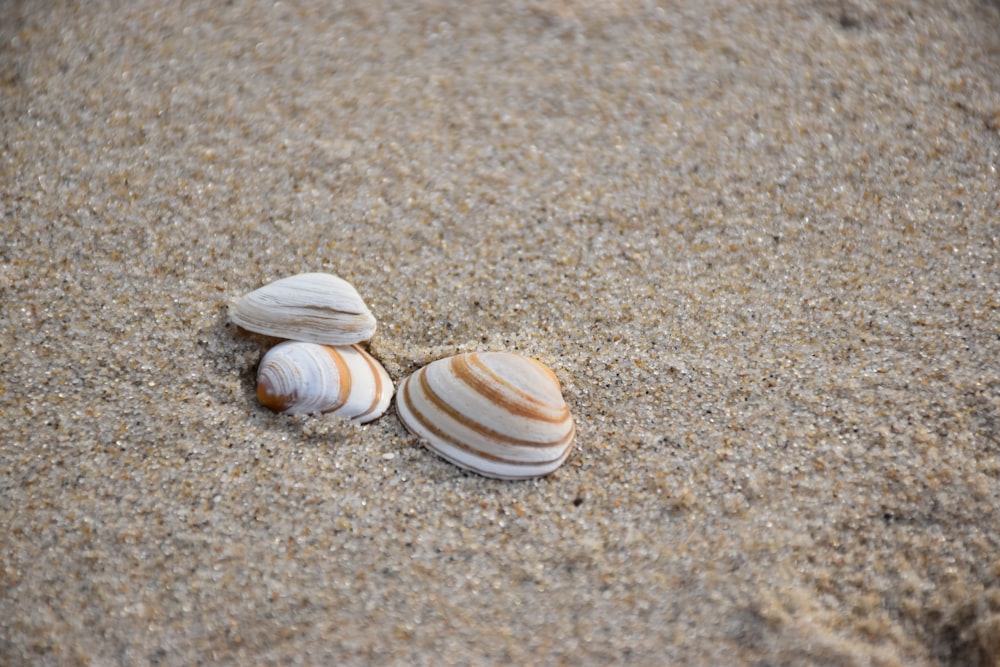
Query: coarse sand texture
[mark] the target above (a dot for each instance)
(757, 244)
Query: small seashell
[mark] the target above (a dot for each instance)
(296, 377)
(311, 307)
(499, 414)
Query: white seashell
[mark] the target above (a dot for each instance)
(496, 413)
(311, 307)
(296, 378)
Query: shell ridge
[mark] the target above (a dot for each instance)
(344, 376)
(378, 393)
(329, 310)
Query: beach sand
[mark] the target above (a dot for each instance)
(758, 243)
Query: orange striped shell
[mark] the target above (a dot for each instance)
(499, 414)
(296, 377)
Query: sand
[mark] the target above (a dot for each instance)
(757, 242)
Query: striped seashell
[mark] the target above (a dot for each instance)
(296, 377)
(499, 414)
(311, 307)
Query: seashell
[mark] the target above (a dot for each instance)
(311, 307)
(296, 377)
(499, 414)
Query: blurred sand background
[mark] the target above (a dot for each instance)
(757, 242)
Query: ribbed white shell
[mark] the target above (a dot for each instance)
(296, 377)
(499, 414)
(311, 307)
